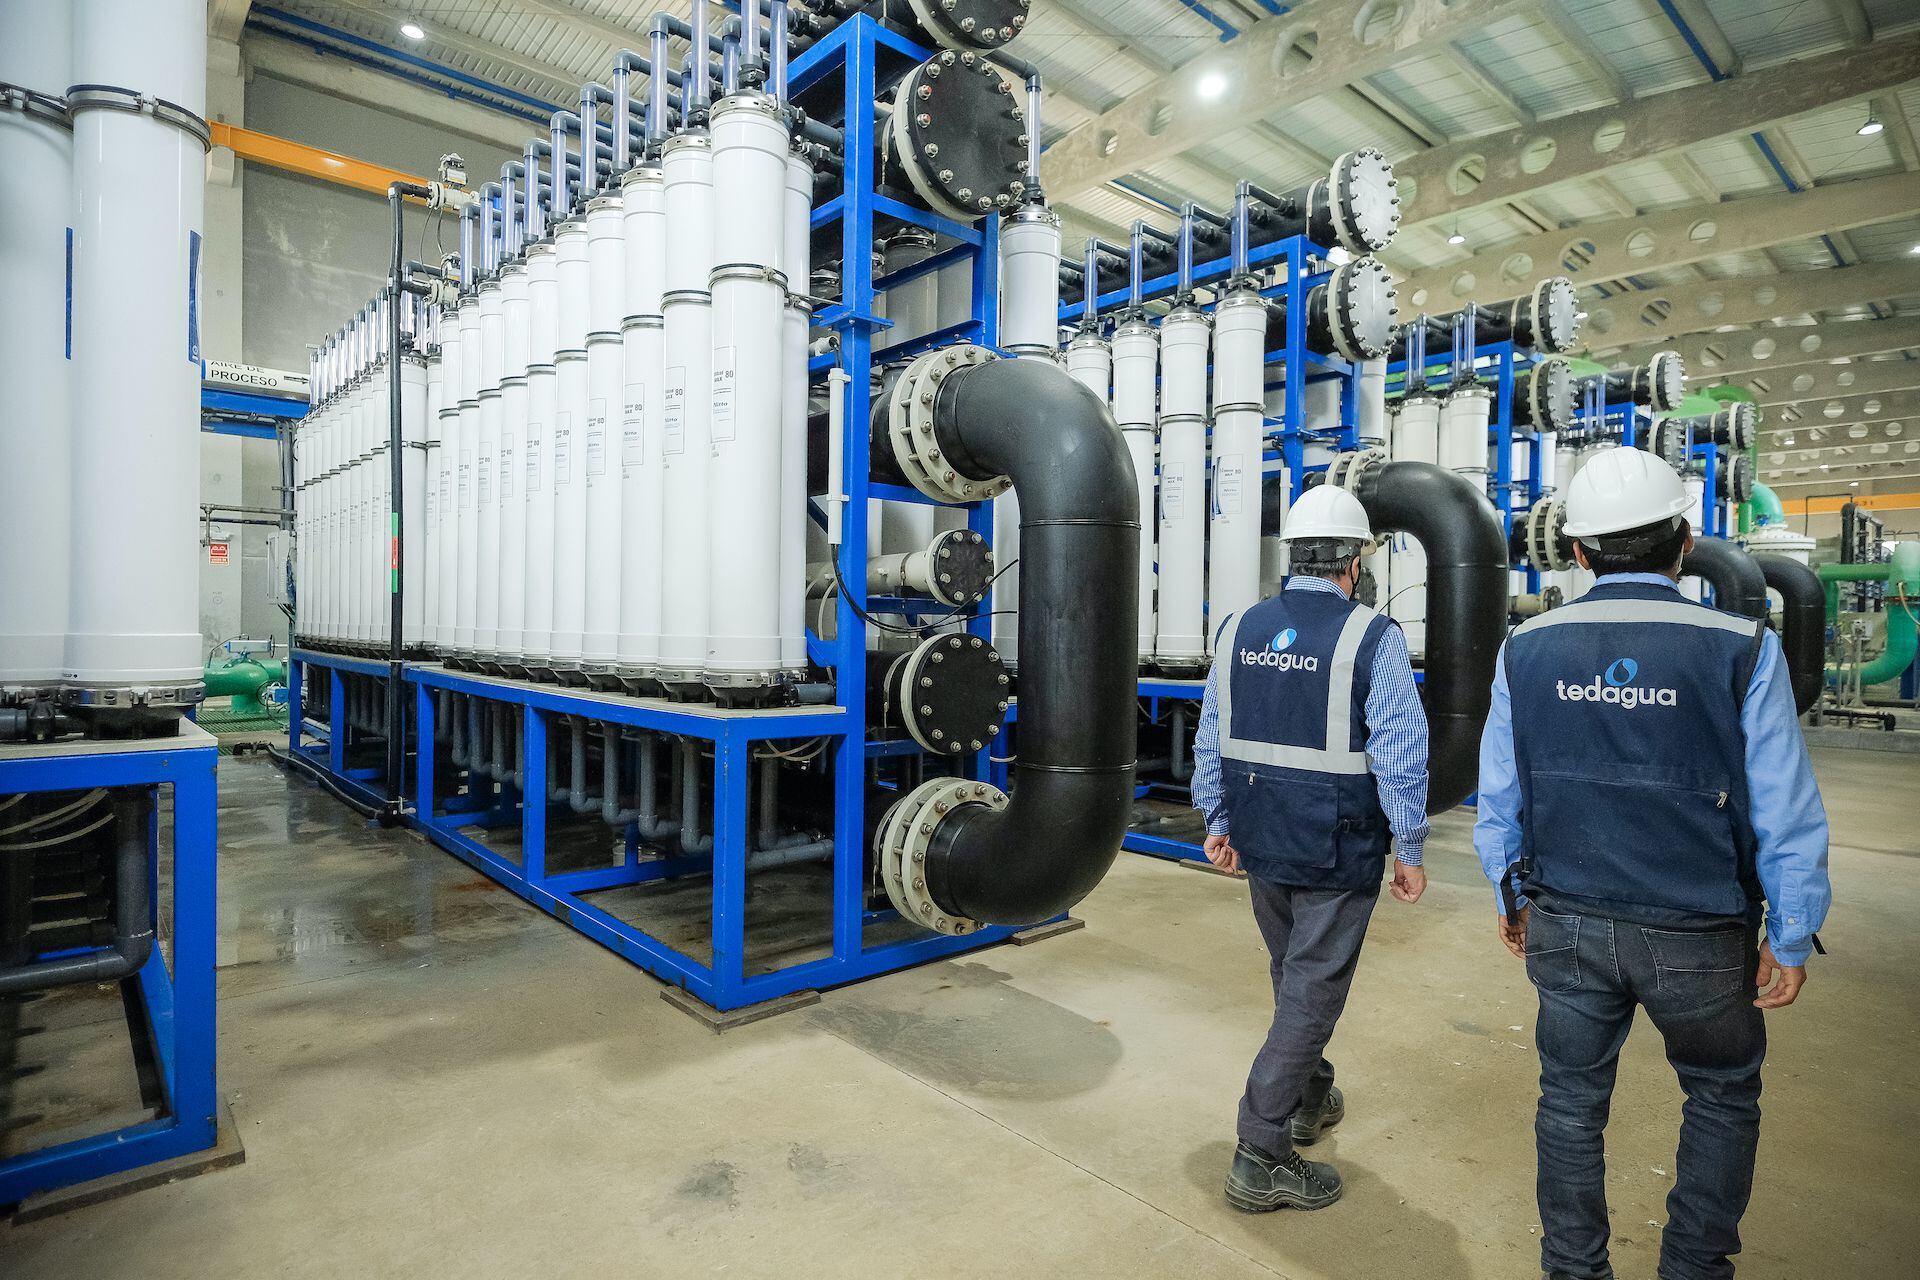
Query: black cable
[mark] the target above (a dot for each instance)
(840, 585)
(321, 776)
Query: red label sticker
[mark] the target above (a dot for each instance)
(217, 552)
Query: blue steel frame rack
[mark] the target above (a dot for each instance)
(847, 68)
(1299, 265)
(172, 1014)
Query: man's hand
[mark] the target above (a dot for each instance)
(1514, 933)
(1408, 882)
(1784, 979)
(1221, 854)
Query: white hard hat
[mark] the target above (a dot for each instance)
(1620, 489)
(1327, 511)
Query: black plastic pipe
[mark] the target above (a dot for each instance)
(1738, 584)
(1072, 791)
(1803, 629)
(1450, 518)
(132, 910)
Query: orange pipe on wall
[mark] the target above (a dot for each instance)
(313, 162)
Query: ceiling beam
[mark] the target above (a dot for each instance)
(285, 60)
(1668, 238)
(1264, 70)
(1706, 28)
(1585, 50)
(1697, 308)
(226, 18)
(1478, 77)
(1852, 16)
(1825, 382)
(1886, 406)
(1888, 110)
(1719, 357)
(1654, 125)
(619, 36)
(1132, 45)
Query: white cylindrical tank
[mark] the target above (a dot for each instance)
(486, 492)
(1240, 351)
(1180, 630)
(642, 472)
(447, 571)
(687, 402)
(1416, 438)
(1135, 353)
(796, 263)
(1090, 360)
(606, 399)
(1184, 338)
(36, 442)
(1030, 280)
(536, 476)
(413, 463)
(1370, 403)
(746, 423)
(467, 513)
(1463, 432)
(1779, 540)
(510, 565)
(133, 631)
(423, 574)
(569, 429)
(1233, 556)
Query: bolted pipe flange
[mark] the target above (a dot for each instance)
(1552, 319)
(971, 24)
(1365, 204)
(1734, 478)
(1542, 541)
(1662, 381)
(910, 427)
(1668, 442)
(959, 567)
(905, 837)
(951, 137)
(1347, 469)
(1550, 400)
(1362, 307)
(949, 692)
(1736, 424)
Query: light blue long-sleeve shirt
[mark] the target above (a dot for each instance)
(1785, 809)
(1396, 741)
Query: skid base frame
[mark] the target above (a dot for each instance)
(170, 1006)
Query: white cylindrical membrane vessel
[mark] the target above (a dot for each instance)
(746, 424)
(606, 400)
(510, 565)
(1549, 460)
(1416, 438)
(1696, 486)
(1463, 432)
(1240, 351)
(796, 263)
(913, 310)
(1273, 551)
(467, 516)
(1233, 556)
(1135, 354)
(1030, 280)
(423, 574)
(1090, 360)
(370, 471)
(1180, 631)
(1320, 404)
(569, 428)
(1370, 403)
(133, 630)
(413, 464)
(36, 202)
(642, 472)
(447, 579)
(1184, 338)
(536, 476)
(687, 400)
(486, 490)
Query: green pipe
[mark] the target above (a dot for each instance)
(1902, 576)
(1766, 505)
(243, 680)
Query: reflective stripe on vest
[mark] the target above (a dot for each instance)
(1680, 612)
(1335, 756)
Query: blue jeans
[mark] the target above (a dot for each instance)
(1697, 987)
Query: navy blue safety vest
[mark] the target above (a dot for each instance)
(1629, 751)
(1293, 736)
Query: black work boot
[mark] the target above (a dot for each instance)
(1258, 1183)
(1308, 1125)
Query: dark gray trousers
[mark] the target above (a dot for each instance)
(1313, 937)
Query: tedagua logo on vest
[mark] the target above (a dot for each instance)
(1616, 687)
(1277, 654)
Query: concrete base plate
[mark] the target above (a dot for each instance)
(226, 1150)
(1041, 932)
(718, 1020)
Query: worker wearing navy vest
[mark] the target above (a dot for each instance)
(1645, 799)
(1310, 759)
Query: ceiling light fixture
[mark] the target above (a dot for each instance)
(1871, 127)
(1853, 484)
(1211, 85)
(413, 31)
(1456, 237)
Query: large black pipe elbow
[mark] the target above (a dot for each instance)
(1738, 584)
(1072, 793)
(1803, 630)
(1466, 607)
(132, 943)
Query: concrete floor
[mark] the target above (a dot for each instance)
(432, 1078)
